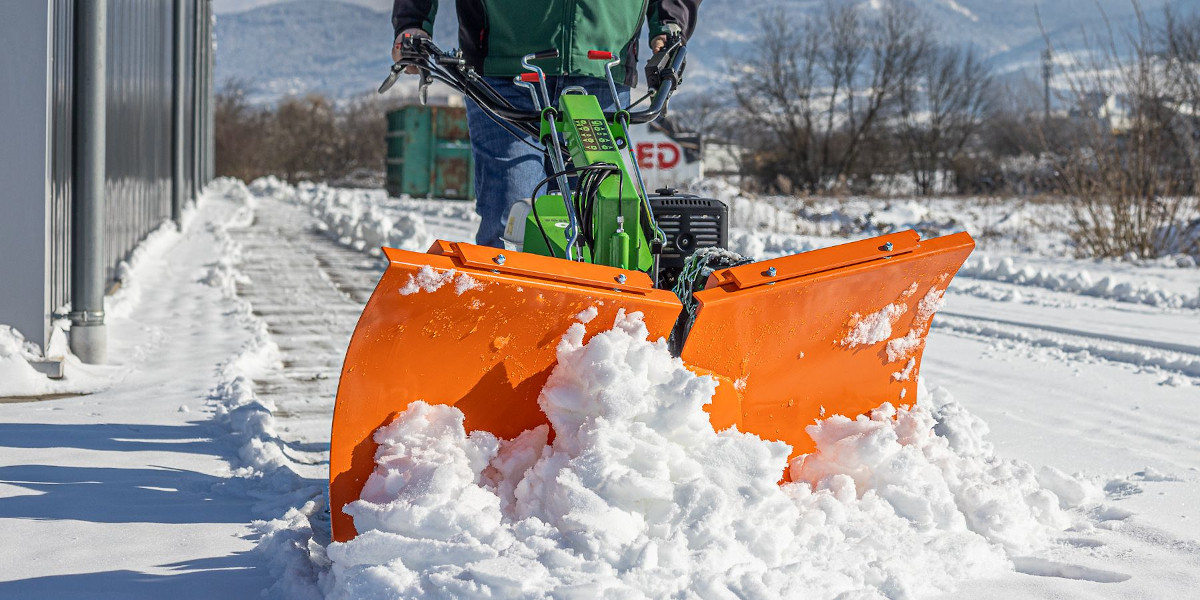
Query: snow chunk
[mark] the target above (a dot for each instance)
(875, 327)
(1071, 491)
(465, 282)
(427, 279)
(586, 316)
(904, 347)
(902, 374)
(431, 280)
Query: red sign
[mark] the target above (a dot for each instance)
(661, 155)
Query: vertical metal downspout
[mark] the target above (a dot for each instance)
(88, 338)
(195, 119)
(178, 191)
(210, 163)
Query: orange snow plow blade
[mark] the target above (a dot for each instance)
(838, 330)
(482, 338)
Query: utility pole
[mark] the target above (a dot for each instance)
(1047, 72)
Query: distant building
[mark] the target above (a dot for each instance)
(157, 131)
(1111, 109)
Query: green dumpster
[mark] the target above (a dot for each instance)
(429, 153)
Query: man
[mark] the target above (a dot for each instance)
(495, 34)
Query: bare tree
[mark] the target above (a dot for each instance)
(813, 92)
(1130, 171)
(238, 133)
(941, 107)
(305, 138)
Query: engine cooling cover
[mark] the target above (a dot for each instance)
(690, 223)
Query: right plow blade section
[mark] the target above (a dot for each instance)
(833, 331)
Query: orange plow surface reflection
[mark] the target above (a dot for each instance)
(833, 331)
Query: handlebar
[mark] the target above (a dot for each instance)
(664, 70)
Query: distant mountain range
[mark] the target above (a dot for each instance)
(295, 47)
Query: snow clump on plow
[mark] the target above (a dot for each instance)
(637, 496)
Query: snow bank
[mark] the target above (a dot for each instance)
(354, 218)
(981, 266)
(637, 496)
(122, 302)
(263, 467)
(17, 376)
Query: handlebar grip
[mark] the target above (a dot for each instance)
(600, 55)
(551, 53)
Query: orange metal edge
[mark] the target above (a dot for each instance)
(352, 447)
(819, 260)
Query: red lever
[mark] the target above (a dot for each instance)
(600, 55)
(529, 77)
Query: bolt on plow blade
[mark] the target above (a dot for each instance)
(838, 330)
(474, 327)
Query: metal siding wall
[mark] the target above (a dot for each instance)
(62, 90)
(139, 123)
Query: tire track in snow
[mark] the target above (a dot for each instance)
(1171, 357)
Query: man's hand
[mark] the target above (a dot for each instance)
(659, 42)
(396, 48)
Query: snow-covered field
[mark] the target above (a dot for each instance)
(1052, 450)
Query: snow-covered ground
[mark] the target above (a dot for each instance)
(1052, 451)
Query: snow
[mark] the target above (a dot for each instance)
(877, 326)
(1056, 459)
(639, 497)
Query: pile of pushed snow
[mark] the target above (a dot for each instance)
(637, 496)
(352, 217)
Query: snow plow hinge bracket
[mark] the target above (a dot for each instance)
(816, 261)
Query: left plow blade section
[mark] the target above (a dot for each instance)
(833, 331)
(474, 327)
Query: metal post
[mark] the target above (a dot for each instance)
(1047, 73)
(88, 336)
(178, 191)
(203, 45)
(210, 118)
(198, 105)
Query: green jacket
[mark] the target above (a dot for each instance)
(495, 34)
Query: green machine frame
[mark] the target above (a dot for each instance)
(617, 211)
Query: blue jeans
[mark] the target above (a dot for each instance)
(505, 168)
